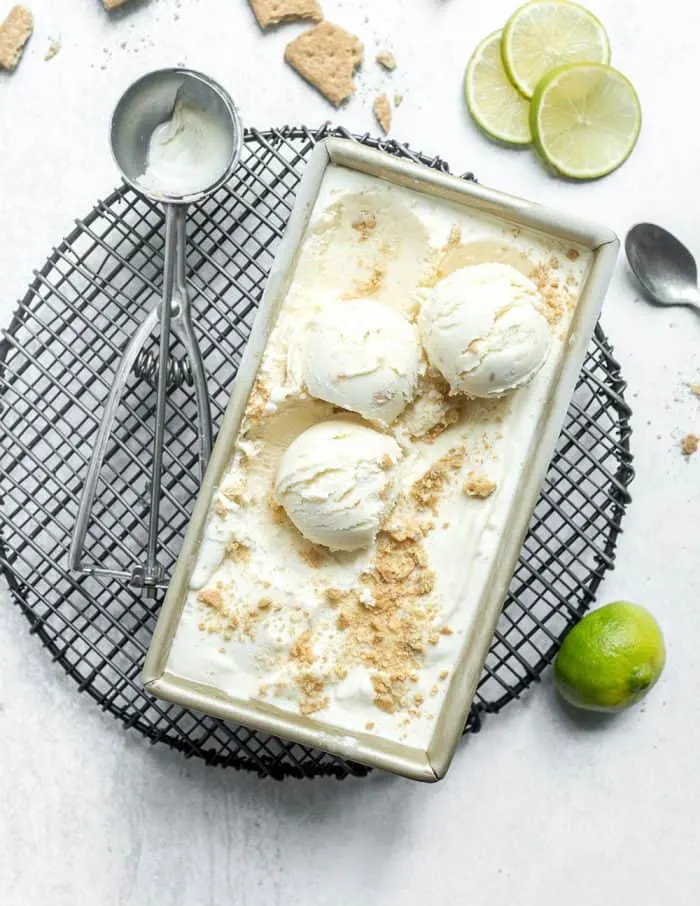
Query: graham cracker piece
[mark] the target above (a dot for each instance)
(54, 48)
(689, 444)
(15, 31)
(386, 60)
(382, 112)
(326, 56)
(273, 12)
(113, 4)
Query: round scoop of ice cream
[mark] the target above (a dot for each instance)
(482, 328)
(362, 356)
(335, 483)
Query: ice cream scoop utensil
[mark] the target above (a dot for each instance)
(150, 107)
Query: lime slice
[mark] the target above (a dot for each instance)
(546, 34)
(585, 120)
(495, 105)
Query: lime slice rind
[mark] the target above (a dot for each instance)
(543, 35)
(585, 119)
(494, 104)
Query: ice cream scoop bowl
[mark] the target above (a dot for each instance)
(176, 137)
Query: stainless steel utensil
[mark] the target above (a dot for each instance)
(663, 265)
(149, 102)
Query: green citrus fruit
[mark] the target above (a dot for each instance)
(611, 659)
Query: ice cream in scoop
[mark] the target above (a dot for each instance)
(335, 483)
(483, 329)
(362, 356)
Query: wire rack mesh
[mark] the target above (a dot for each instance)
(56, 362)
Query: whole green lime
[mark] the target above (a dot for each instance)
(611, 659)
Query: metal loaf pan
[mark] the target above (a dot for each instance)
(417, 764)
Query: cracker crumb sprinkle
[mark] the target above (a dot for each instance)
(689, 444)
(386, 60)
(382, 112)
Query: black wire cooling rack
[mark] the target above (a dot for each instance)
(56, 363)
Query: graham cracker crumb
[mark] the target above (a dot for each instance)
(387, 697)
(694, 389)
(445, 630)
(444, 674)
(426, 491)
(370, 286)
(311, 706)
(302, 649)
(573, 254)
(554, 263)
(211, 597)
(334, 596)
(386, 60)
(389, 639)
(238, 551)
(557, 299)
(220, 509)
(15, 31)
(419, 699)
(434, 691)
(54, 48)
(402, 523)
(369, 725)
(311, 687)
(276, 509)
(314, 555)
(398, 100)
(365, 225)
(689, 444)
(478, 485)
(259, 398)
(273, 12)
(382, 112)
(327, 57)
(234, 493)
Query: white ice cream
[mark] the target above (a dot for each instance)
(335, 483)
(362, 356)
(366, 641)
(483, 329)
(188, 153)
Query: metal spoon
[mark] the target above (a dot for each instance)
(663, 265)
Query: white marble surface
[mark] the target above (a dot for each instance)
(539, 808)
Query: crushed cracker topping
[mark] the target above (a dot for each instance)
(478, 485)
(426, 491)
(238, 551)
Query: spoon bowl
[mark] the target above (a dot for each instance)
(149, 102)
(663, 265)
